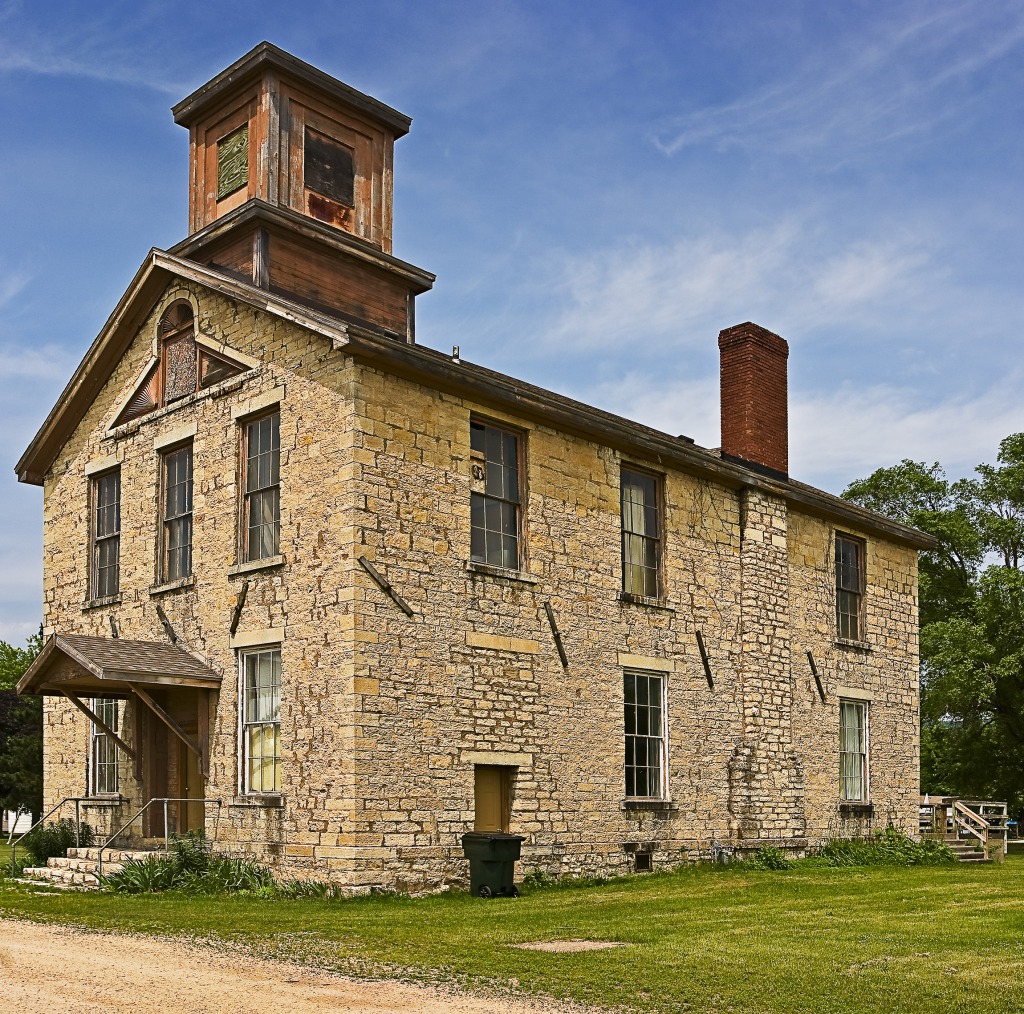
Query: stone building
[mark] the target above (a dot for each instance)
(352, 597)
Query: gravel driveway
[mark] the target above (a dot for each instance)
(58, 968)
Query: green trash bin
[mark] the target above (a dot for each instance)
(492, 858)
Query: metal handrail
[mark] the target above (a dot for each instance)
(167, 836)
(77, 800)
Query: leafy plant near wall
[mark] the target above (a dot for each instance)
(51, 841)
(190, 867)
(885, 848)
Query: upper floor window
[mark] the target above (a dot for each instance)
(261, 721)
(106, 534)
(644, 699)
(849, 588)
(183, 365)
(496, 497)
(641, 533)
(176, 527)
(853, 751)
(103, 767)
(261, 509)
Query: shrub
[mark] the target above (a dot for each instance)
(885, 848)
(49, 841)
(768, 857)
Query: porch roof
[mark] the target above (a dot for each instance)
(108, 667)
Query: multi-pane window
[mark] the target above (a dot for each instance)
(261, 721)
(853, 751)
(641, 533)
(176, 555)
(849, 588)
(261, 521)
(644, 694)
(103, 773)
(495, 504)
(106, 534)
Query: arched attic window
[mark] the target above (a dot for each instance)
(183, 365)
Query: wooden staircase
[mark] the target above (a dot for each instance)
(80, 870)
(975, 829)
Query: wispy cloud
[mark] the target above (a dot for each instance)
(108, 50)
(11, 284)
(867, 91)
(790, 275)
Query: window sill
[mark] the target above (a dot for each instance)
(269, 801)
(169, 586)
(109, 600)
(488, 570)
(856, 809)
(645, 600)
(665, 805)
(251, 565)
(846, 642)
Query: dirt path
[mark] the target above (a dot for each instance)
(58, 968)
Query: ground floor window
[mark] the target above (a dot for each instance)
(261, 721)
(853, 751)
(103, 762)
(644, 695)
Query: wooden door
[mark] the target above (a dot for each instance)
(493, 797)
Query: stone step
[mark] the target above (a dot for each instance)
(61, 877)
(111, 855)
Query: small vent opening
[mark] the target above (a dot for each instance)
(642, 862)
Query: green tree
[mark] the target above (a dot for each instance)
(972, 618)
(21, 732)
(920, 495)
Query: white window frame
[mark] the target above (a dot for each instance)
(245, 780)
(661, 739)
(100, 741)
(864, 754)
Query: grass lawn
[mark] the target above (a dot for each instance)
(811, 940)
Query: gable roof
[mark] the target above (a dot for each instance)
(106, 664)
(433, 369)
(156, 272)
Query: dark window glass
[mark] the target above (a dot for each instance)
(849, 588)
(262, 521)
(106, 535)
(494, 510)
(645, 734)
(177, 522)
(329, 168)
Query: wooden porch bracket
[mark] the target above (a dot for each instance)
(98, 722)
(172, 725)
(708, 675)
(817, 678)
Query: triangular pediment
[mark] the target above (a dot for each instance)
(186, 363)
(149, 286)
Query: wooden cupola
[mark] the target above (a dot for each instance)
(290, 186)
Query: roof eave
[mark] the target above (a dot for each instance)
(267, 55)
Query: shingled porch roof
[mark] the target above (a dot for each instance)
(108, 667)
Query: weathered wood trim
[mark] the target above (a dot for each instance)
(98, 722)
(172, 725)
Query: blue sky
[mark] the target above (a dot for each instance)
(600, 187)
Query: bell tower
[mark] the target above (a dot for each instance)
(291, 184)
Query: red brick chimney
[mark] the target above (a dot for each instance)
(755, 425)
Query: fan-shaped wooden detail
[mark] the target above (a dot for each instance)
(145, 399)
(184, 367)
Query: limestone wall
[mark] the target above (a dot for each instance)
(384, 716)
